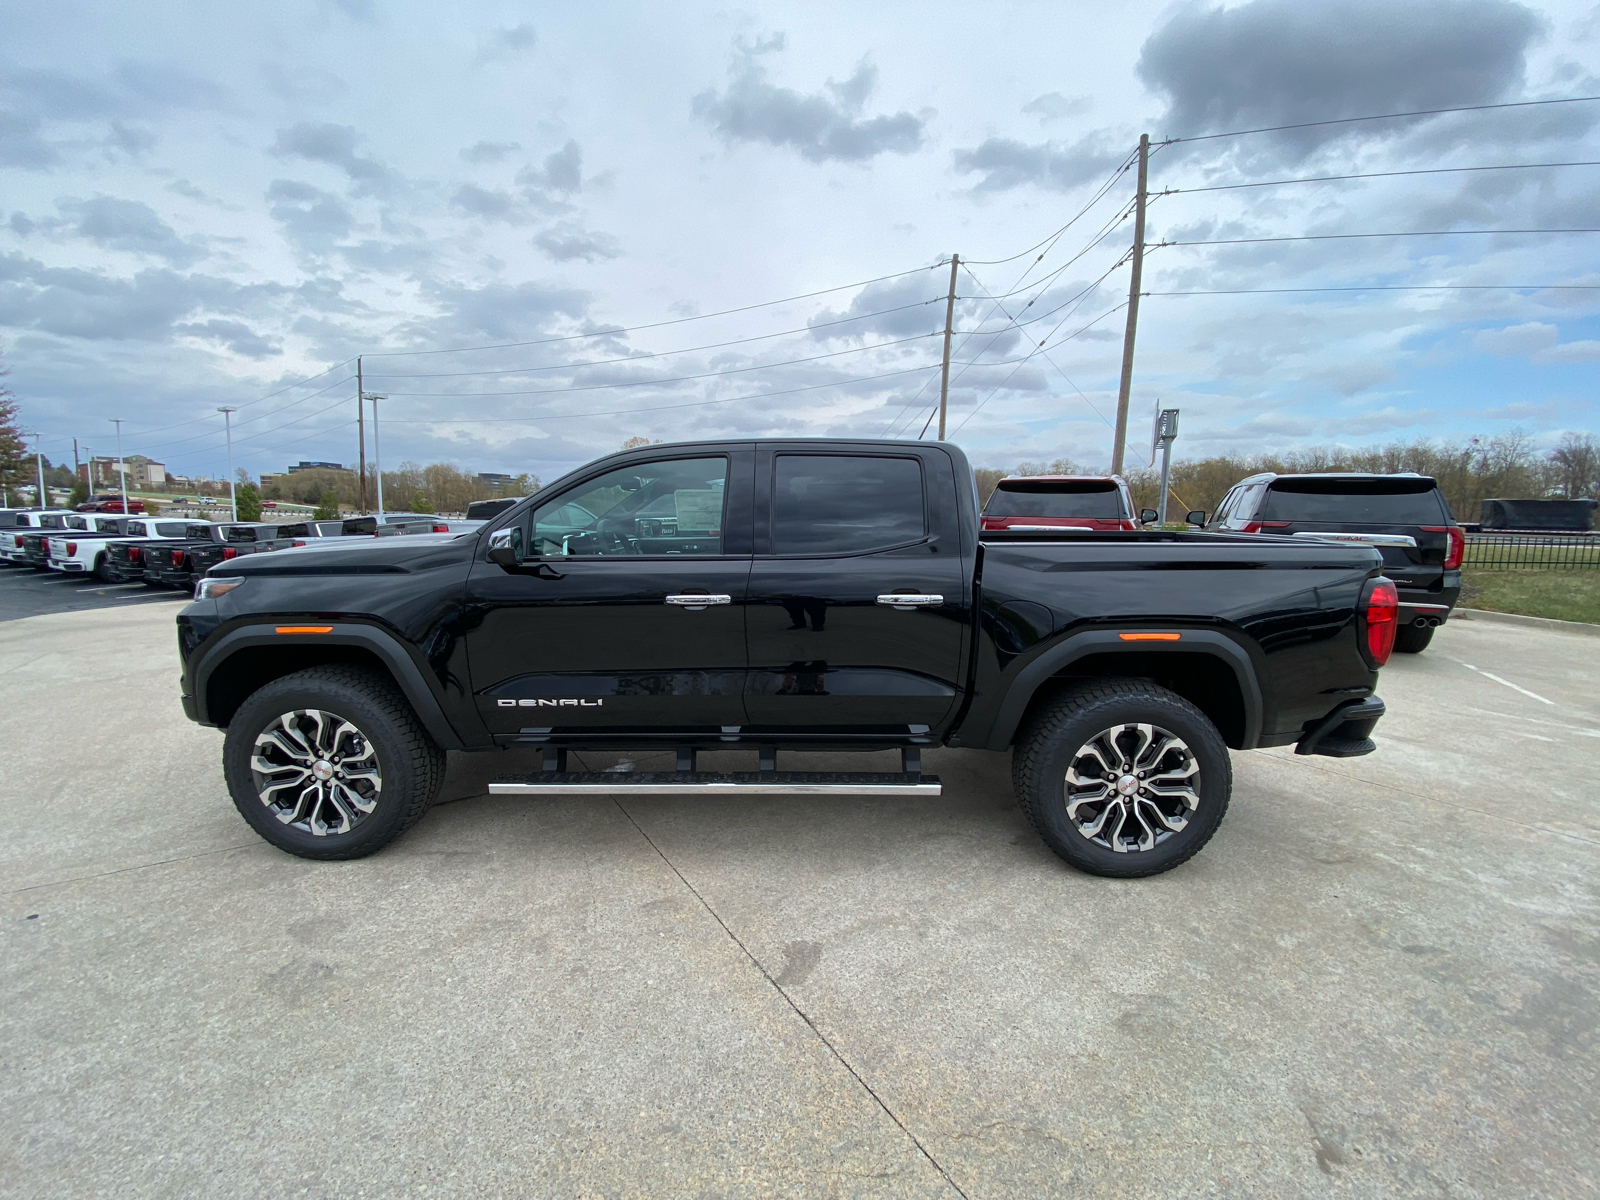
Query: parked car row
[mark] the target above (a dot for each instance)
(175, 553)
(1404, 516)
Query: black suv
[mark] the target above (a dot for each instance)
(1405, 516)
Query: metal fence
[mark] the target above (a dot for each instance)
(1532, 551)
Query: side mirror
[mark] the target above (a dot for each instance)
(1147, 516)
(1197, 517)
(505, 548)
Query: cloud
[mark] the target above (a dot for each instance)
(567, 244)
(1053, 106)
(820, 128)
(21, 145)
(498, 312)
(131, 140)
(312, 219)
(487, 152)
(489, 205)
(361, 11)
(1516, 341)
(562, 172)
(304, 85)
(1570, 352)
(336, 146)
(506, 43)
(1277, 62)
(131, 226)
(1005, 163)
(235, 335)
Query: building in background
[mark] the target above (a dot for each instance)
(302, 465)
(493, 480)
(143, 473)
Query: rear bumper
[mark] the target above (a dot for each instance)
(1346, 732)
(1430, 606)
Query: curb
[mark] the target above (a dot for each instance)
(1582, 628)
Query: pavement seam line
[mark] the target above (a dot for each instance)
(33, 887)
(789, 1000)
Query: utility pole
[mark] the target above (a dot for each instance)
(949, 317)
(38, 461)
(377, 450)
(122, 465)
(233, 496)
(76, 466)
(1134, 282)
(361, 432)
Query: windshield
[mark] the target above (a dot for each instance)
(1096, 499)
(1354, 501)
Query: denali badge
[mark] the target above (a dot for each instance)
(562, 703)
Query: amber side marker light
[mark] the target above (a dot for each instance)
(1149, 637)
(304, 629)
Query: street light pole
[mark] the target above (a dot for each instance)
(38, 461)
(122, 466)
(377, 449)
(233, 496)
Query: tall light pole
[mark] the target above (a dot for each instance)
(122, 466)
(377, 450)
(227, 412)
(38, 460)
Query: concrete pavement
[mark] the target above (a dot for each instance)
(1379, 979)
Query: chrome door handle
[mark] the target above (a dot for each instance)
(694, 602)
(908, 602)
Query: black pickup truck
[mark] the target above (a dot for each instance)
(777, 596)
(179, 564)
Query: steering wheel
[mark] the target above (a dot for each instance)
(608, 541)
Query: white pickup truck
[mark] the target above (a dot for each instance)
(17, 522)
(85, 553)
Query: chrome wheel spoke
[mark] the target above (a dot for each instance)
(317, 772)
(1131, 787)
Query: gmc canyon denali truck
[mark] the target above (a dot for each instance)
(780, 596)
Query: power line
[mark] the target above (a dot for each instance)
(1384, 287)
(1229, 187)
(1426, 112)
(1332, 237)
(654, 325)
(248, 403)
(264, 416)
(1093, 200)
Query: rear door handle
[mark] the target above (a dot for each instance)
(694, 602)
(908, 601)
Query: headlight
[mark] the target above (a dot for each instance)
(209, 588)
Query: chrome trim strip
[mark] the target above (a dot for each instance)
(1369, 539)
(907, 600)
(698, 601)
(923, 788)
(1430, 607)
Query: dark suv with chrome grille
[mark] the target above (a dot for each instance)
(1405, 517)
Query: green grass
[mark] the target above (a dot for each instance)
(1564, 595)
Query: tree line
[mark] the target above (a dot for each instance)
(438, 487)
(1508, 466)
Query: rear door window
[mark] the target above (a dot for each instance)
(846, 504)
(1023, 498)
(1360, 502)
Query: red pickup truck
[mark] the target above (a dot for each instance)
(1060, 502)
(110, 503)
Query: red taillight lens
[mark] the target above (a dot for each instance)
(177, 558)
(1383, 621)
(229, 552)
(1258, 526)
(72, 547)
(299, 543)
(135, 554)
(441, 529)
(1456, 547)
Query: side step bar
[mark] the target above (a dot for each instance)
(693, 783)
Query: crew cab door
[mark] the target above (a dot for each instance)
(596, 631)
(839, 530)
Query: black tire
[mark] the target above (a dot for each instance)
(1412, 639)
(1051, 740)
(409, 762)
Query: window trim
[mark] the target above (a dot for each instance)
(928, 533)
(567, 495)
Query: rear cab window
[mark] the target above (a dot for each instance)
(1089, 498)
(846, 504)
(1355, 501)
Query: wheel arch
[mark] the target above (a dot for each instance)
(1206, 667)
(248, 658)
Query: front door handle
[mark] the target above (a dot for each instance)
(906, 601)
(695, 601)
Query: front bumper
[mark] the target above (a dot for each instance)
(1346, 732)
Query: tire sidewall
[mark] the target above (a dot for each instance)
(1170, 713)
(1409, 639)
(344, 700)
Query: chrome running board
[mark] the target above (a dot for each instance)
(699, 783)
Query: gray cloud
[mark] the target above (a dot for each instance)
(21, 145)
(498, 312)
(506, 43)
(489, 205)
(922, 290)
(336, 146)
(1005, 163)
(566, 244)
(131, 226)
(487, 152)
(1053, 106)
(235, 335)
(820, 128)
(1277, 62)
(130, 139)
(313, 220)
(304, 85)
(561, 173)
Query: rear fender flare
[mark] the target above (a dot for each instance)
(1019, 694)
(413, 683)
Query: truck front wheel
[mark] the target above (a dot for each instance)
(330, 763)
(1122, 778)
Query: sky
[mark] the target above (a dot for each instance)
(547, 229)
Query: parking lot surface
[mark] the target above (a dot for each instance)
(1379, 979)
(25, 592)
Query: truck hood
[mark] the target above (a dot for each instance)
(355, 556)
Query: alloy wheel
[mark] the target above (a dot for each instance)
(1131, 787)
(316, 772)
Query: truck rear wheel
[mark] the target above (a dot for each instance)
(1413, 639)
(330, 763)
(1122, 777)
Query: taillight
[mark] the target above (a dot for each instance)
(1258, 526)
(72, 548)
(299, 543)
(177, 558)
(135, 554)
(441, 529)
(229, 552)
(1383, 620)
